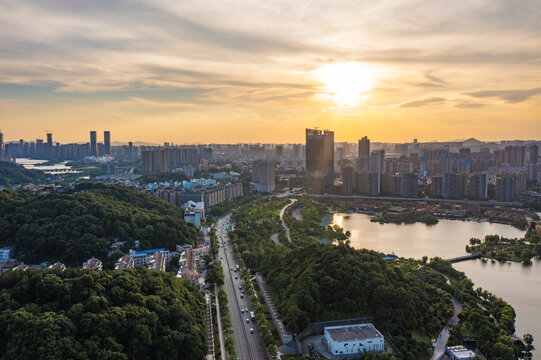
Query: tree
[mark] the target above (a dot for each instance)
(528, 340)
(215, 273)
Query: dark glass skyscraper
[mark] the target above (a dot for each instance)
(320, 160)
(363, 163)
(107, 143)
(93, 144)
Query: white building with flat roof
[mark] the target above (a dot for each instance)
(459, 353)
(353, 339)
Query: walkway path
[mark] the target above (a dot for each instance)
(441, 342)
(443, 337)
(282, 212)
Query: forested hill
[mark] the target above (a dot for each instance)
(74, 227)
(326, 282)
(11, 174)
(76, 314)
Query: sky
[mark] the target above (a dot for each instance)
(228, 71)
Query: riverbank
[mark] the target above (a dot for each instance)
(397, 211)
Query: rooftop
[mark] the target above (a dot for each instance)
(143, 252)
(353, 332)
(460, 352)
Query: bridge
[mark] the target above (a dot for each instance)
(464, 258)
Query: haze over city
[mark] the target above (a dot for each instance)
(242, 71)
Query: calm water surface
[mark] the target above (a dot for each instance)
(518, 284)
(58, 168)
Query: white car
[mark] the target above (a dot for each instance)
(251, 330)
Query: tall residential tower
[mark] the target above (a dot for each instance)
(320, 160)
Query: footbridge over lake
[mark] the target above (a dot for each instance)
(464, 258)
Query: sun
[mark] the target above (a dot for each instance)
(347, 83)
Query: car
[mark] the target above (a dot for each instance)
(242, 311)
(236, 277)
(247, 320)
(246, 310)
(240, 288)
(251, 330)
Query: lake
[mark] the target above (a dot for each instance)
(518, 284)
(58, 168)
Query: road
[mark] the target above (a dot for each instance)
(248, 346)
(441, 342)
(286, 228)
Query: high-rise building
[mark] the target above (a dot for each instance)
(320, 160)
(446, 162)
(451, 186)
(534, 154)
(505, 188)
(340, 153)
(7, 153)
(1, 146)
(93, 144)
(479, 186)
(279, 151)
(363, 162)
(49, 140)
(348, 179)
(464, 153)
(206, 154)
(436, 186)
(377, 161)
(409, 185)
(515, 155)
(106, 143)
(263, 176)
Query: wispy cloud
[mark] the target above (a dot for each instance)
(509, 96)
(468, 105)
(423, 102)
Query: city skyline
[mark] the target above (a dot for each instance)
(229, 72)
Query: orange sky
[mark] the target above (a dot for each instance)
(245, 71)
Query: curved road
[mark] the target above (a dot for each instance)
(248, 346)
(282, 212)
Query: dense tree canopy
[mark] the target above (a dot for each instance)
(74, 227)
(76, 314)
(325, 282)
(11, 174)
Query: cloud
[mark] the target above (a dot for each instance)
(435, 79)
(423, 102)
(509, 96)
(468, 105)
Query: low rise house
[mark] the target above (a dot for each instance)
(125, 262)
(157, 262)
(353, 339)
(8, 265)
(58, 265)
(143, 258)
(92, 264)
(22, 266)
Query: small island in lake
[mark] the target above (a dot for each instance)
(503, 249)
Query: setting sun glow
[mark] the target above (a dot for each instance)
(347, 83)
